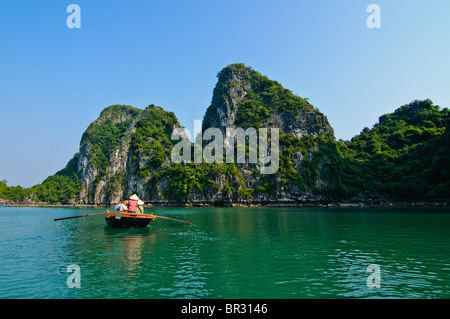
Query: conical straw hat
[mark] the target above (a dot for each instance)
(134, 197)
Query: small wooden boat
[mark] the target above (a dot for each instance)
(128, 220)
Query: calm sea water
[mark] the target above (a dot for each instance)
(227, 253)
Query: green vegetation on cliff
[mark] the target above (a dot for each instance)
(104, 134)
(13, 193)
(257, 96)
(63, 187)
(152, 137)
(405, 156)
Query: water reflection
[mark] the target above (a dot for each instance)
(129, 245)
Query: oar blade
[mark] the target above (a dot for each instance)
(177, 220)
(56, 219)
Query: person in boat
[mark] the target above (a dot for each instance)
(119, 206)
(135, 205)
(122, 206)
(140, 207)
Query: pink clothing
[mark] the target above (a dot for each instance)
(132, 205)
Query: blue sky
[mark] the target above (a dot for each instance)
(54, 81)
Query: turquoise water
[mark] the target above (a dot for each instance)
(227, 253)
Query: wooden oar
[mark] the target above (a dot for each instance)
(80, 216)
(173, 219)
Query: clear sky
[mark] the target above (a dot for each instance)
(54, 81)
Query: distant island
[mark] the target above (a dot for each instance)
(404, 158)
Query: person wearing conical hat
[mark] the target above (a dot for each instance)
(140, 208)
(133, 201)
(134, 197)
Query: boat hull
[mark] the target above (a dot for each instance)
(128, 220)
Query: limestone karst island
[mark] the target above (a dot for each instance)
(404, 157)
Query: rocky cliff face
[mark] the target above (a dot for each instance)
(127, 150)
(245, 98)
(117, 152)
(104, 154)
